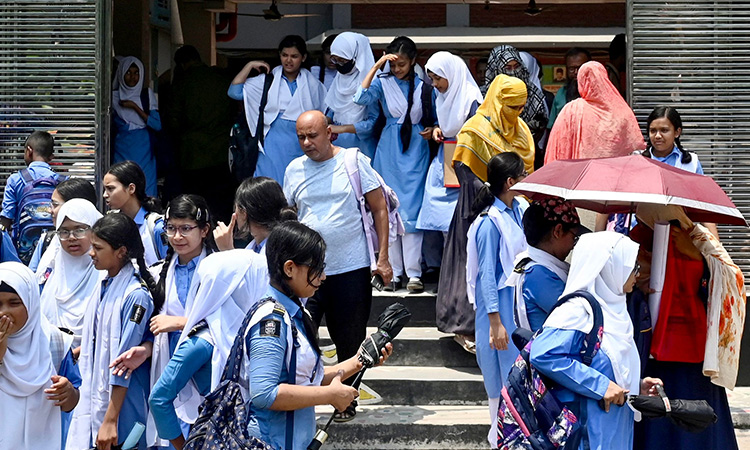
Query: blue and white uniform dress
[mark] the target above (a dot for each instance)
(180, 280)
(453, 107)
(494, 240)
(154, 248)
(340, 98)
(286, 101)
(268, 343)
(116, 320)
(403, 171)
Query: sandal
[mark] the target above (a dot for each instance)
(346, 415)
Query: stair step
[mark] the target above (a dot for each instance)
(421, 346)
(421, 306)
(409, 427)
(412, 385)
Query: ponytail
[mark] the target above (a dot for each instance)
(501, 167)
(127, 173)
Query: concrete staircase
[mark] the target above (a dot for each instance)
(432, 391)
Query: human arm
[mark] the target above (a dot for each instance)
(369, 95)
(684, 243)
(163, 323)
(374, 70)
(249, 67)
(648, 386)
(488, 242)
(131, 359)
(552, 355)
(63, 393)
(352, 365)
(106, 437)
(134, 106)
(136, 310)
(9, 206)
(379, 209)
(601, 222)
(154, 120)
(235, 91)
(191, 356)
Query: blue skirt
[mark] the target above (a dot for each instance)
(280, 148)
(438, 202)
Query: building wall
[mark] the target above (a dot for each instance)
(398, 16)
(555, 15)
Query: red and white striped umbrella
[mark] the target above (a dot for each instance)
(616, 185)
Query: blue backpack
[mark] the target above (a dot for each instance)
(34, 212)
(529, 416)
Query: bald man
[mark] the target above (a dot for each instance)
(317, 183)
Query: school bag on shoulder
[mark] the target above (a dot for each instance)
(244, 146)
(34, 212)
(529, 416)
(395, 224)
(151, 219)
(222, 417)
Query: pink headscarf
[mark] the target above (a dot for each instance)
(598, 125)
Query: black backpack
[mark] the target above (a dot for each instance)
(243, 147)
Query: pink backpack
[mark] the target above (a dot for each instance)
(395, 224)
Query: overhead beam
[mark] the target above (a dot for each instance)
(461, 2)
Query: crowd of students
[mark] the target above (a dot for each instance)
(140, 308)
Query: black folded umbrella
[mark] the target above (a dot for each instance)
(390, 323)
(691, 415)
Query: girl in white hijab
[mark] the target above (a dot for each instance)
(132, 116)
(31, 392)
(73, 277)
(457, 98)
(603, 264)
(353, 123)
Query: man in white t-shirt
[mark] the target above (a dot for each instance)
(318, 185)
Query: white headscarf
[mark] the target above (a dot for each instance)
(310, 94)
(453, 106)
(29, 420)
(340, 97)
(124, 92)
(601, 264)
(229, 284)
(74, 278)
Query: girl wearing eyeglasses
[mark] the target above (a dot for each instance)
(71, 278)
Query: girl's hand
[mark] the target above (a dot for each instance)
(258, 65)
(385, 58)
(107, 435)
(615, 394)
(132, 359)
(385, 354)
(498, 335)
(426, 133)
(166, 324)
(6, 323)
(224, 234)
(437, 135)
(341, 395)
(648, 386)
(684, 243)
(62, 392)
(129, 104)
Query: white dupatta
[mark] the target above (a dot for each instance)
(340, 97)
(397, 102)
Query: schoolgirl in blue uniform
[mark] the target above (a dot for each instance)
(116, 320)
(403, 153)
(603, 264)
(38, 376)
(551, 227)
(353, 124)
(125, 191)
(132, 140)
(259, 205)
(295, 255)
(227, 284)
(293, 91)
(494, 239)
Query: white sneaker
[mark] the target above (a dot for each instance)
(415, 285)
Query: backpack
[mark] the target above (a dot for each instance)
(529, 416)
(151, 219)
(395, 224)
(243, 147)
(222, 417)
(34, 212)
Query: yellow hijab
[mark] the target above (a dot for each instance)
(496, 128)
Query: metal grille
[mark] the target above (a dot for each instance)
(695, 55)
(48, 81)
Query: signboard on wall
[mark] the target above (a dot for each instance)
(161, 13)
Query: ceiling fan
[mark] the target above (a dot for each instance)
(273, 13)
(532, 9)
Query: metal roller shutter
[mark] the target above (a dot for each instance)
(50, 78)
(695, 55)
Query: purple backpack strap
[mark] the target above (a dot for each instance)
(351, 163)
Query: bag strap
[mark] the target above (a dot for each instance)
(351, 164)
(232, 367)
(263, 101)
(26, 176)
(291, 379)
(427, 118)
(594, 336)
(151, 219)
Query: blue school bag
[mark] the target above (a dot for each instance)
(529, 416)
(34, 212)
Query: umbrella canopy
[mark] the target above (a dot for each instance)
(390, 323)
(616, 185)
(691, 415)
